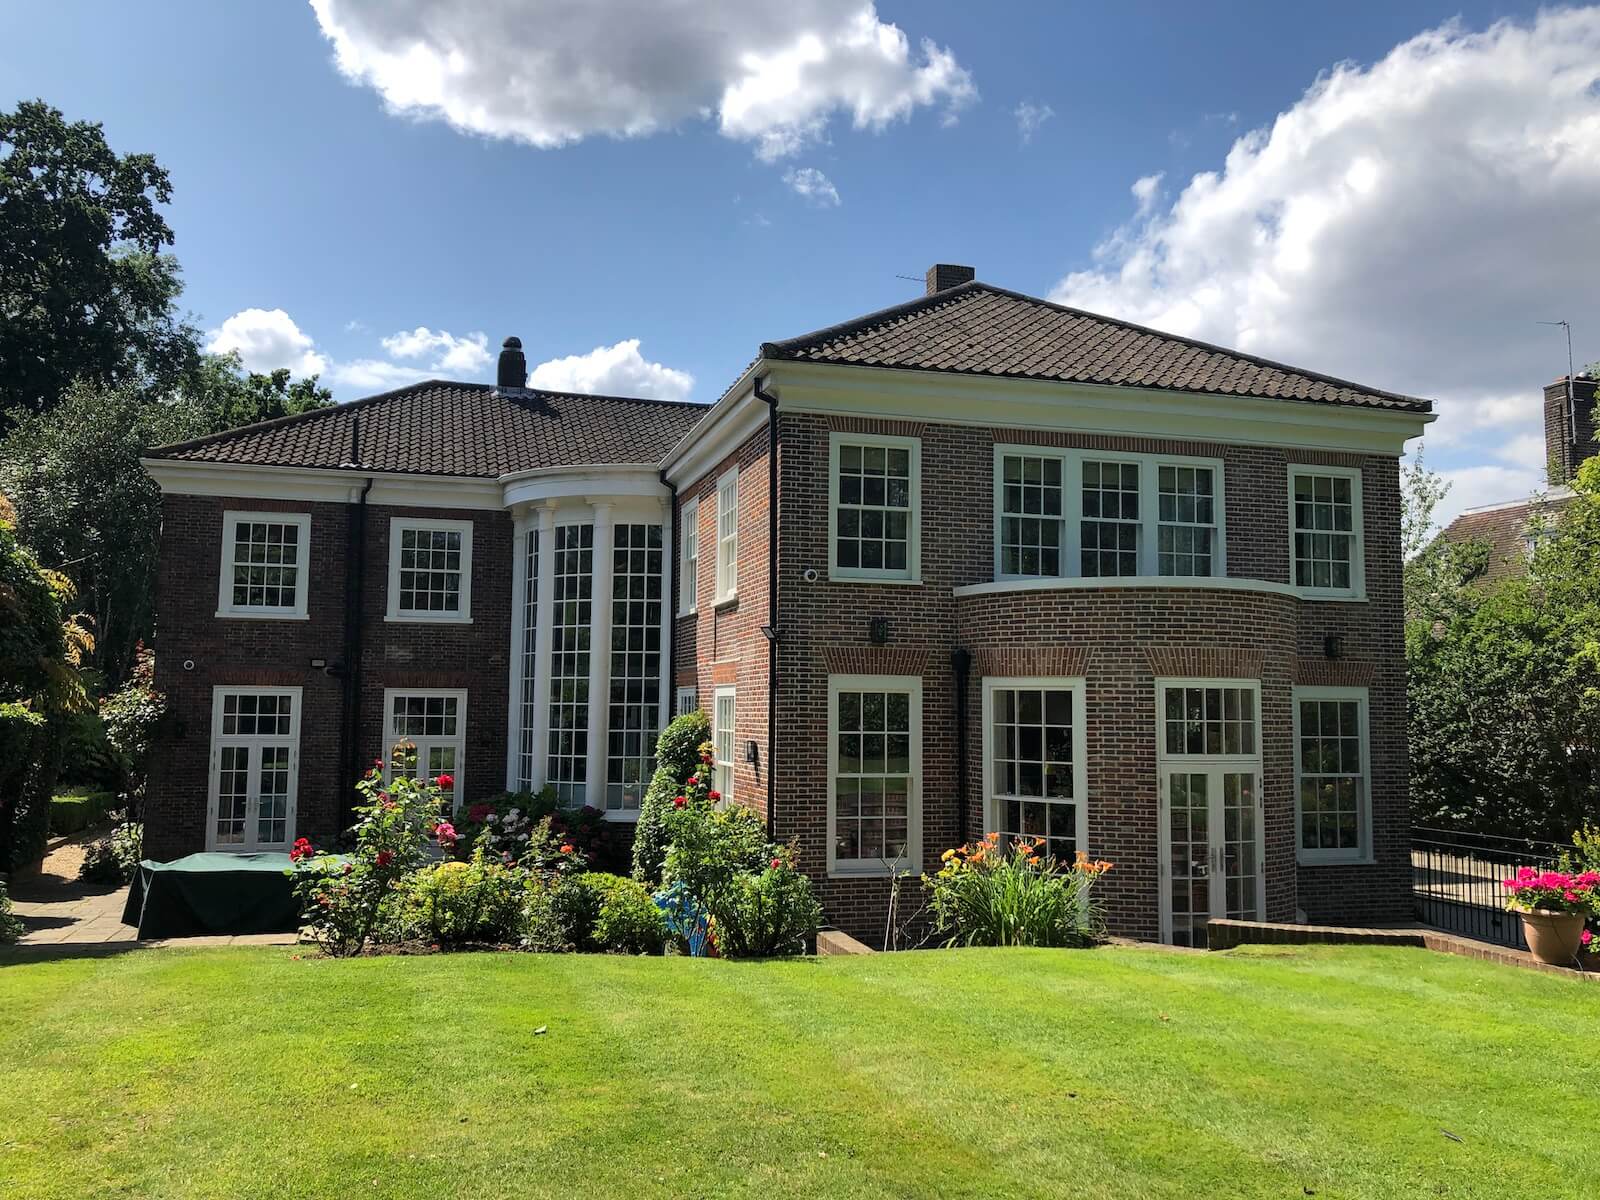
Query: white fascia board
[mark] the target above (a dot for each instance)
(588, 483)
(720, 432)
(187, 478)
(905, 395)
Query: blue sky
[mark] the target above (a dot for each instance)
(1371, 229)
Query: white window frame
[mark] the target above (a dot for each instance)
(397, 525)
(912, 572)
(728, 537)
(722, 769)
(689, 572)
(993, 802)
(255, 743)
(425, 742)
(1361, 853)
(1358, 553)
(912, 685)
(231, 520)
(1149, 508)
(685, 701)
(1166, 763)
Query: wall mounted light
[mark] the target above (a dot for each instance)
(878, 631)
(1333, 645)
(752, 753)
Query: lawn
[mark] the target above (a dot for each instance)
(1338, 1072)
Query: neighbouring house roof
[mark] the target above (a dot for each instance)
(1504, 528)
(978, 329)
(469, 429)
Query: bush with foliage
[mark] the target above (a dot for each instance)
(677, 758)
(130, 716)
(10, 925)
(723, 876)
(998, 893)
(503, 825)
(592, 911)
(73, 812)
(457, 903)
(114, 858)
(343, 896)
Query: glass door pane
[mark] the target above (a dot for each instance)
(233, 794)
(1241, 863)
(272, 822)
(1188, 824)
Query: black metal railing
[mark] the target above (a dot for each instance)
(1457, 881)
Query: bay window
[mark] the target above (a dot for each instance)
(1035, 772)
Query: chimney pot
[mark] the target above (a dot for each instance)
(513, 371)
(944, 276)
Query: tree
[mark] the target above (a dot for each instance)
(41, 650)
(85, 290)
(89, 510)
(227, 399)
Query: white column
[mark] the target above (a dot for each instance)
(599, 658)
(519, 617)
(544, 617)
(669, 597)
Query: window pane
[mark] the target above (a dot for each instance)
(872, 783)
(872, 523)
(1324, 531)
(266, 565)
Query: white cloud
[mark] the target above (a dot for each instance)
(618, 370)
(1486, 484)
(374, 375)
(549, 73)
(460, 355)
(266, 339)
(814, 186)
(1029, 117)
(1403, 224)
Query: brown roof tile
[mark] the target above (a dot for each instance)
(1504, 527)
(471, 429)
(978, 329)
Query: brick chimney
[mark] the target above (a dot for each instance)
(944, 276)
(513, 372)
(1569, 426)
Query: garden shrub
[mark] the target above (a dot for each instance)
(629, 921)
(10, 925)
(344, 897)
(502, 826)
(73, 812)
(114, 858)
(458, 903)
(991, 893)
(592, 911)
(130, 716)
(677, 758)
(771, 912)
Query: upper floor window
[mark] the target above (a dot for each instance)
(1094, 514)
(728, 536)
(264, 564)
(689, 581)
(430, 570)
(875, 496)
(1331, 773)
(1325, 530)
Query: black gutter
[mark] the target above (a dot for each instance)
(354, 579)
(771, 631)
(961, 662)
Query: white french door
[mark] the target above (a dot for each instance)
(255, 769)
(1212, 843)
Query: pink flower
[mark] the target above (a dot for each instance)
(776, 863)
(1587, 937)
(446, 833)
(478, 812)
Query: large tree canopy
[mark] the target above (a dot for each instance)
(85, 290)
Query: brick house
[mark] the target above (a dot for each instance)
(1508, 528)
(975, 562)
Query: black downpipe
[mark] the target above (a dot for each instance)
(961, 661)
(773, 443)
(354, 578)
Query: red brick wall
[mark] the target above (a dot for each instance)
(1117, 637)
(278, 652)
(722, 644)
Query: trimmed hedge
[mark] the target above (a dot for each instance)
(73, 812)
(677, 758)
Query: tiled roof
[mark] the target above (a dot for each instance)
(440, 428)
(977, 329)
(1504, 527)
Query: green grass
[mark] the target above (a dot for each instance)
(1115, 1072)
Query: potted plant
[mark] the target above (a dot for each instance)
(1553, 907)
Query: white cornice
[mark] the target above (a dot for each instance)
(731, 420)
(563, 483)
(188, 478)
(906, 395)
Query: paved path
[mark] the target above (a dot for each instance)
(62, 915)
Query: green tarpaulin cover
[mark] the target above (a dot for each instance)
(212, 894)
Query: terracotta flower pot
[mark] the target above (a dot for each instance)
(1553, 937)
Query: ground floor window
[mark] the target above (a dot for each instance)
(874, 774)
(722, 740)
(435, 722)
(686, 702)
(1208, 760)
(255, 764)
(1331, 774)
(1035, 762)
